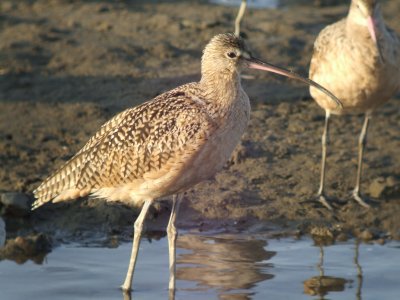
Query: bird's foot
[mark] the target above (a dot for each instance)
(323, 201)
(359, 199)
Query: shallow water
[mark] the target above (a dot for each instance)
(212, 267)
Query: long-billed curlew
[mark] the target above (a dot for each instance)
(166, 145)
(358, 59)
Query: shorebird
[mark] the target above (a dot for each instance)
(358, 59)
(166, 145)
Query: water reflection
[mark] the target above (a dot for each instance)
(232, 266)
(359, 271)
(322, 284)
(21, 249)
(211, 267)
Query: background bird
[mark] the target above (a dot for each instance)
(358, 59)
(166, 145)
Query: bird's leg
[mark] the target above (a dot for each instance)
(362, 141)
(172, 236)
(325, 141)
(138, 229)
(239, 17)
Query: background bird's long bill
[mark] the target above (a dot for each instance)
(371, 24)
(260, 65)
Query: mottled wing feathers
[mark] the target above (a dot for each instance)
(137, 141)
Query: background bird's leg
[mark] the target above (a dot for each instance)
(325, 141)
(239, 17)
(172, 236)
(138, 229)
(362, 141)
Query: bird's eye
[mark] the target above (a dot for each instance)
(231, 54)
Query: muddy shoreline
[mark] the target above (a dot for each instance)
(66, 67)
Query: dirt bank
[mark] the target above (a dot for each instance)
(68, 66)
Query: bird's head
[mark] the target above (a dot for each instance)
(367, 13)
(366, 7)
(227, 55)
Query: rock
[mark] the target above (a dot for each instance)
(322, 285)
(367, 235)
(2, 232)
(377, 187)
(381, 241)
(322, 235)
(17, 204)
(384, 186)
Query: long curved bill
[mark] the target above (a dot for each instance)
(255, 63)
(371, 24)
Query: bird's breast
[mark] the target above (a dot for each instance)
(357, 77)
(217, 150)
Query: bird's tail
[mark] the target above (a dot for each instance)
(62, 185)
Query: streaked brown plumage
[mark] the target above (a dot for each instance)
(358, 59)
(138, 146)
(166, 145)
